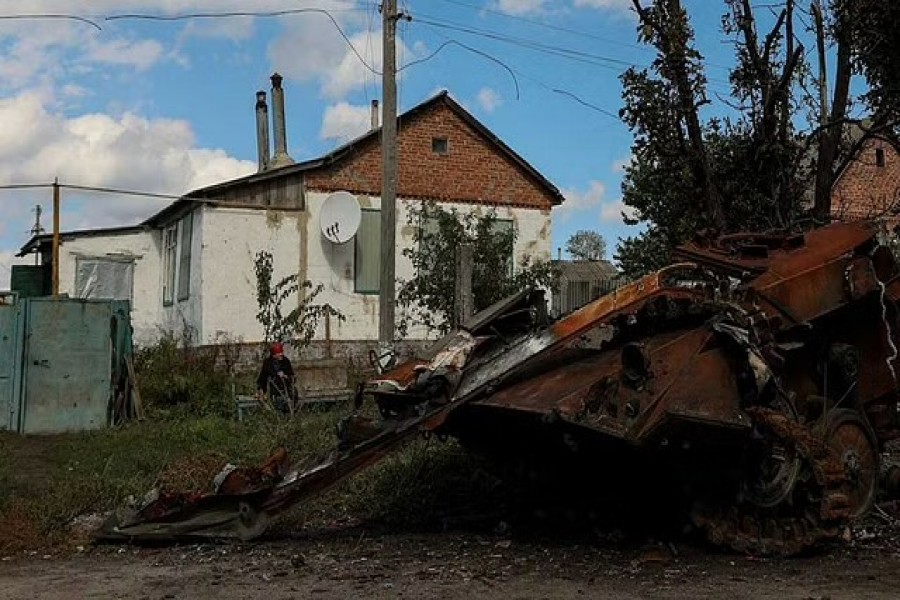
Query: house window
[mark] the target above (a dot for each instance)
(367, 260)
(879, 157)
(170, 242)
(104, 278)
(440, 145)
(184, 262)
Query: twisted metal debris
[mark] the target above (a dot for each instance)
(758, 371)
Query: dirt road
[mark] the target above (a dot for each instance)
(361, 564)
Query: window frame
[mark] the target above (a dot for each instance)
(356, 258)
(170, 255)
(435, 140)
(184, 256)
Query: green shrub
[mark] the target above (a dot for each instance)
(177, 377)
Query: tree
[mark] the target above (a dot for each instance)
(299, 323)
(428, 298)
(749, 170)
(586, 245)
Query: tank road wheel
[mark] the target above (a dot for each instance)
(251, 523)
(852, 441)
(777, 464)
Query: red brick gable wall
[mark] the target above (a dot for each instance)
(474, 170)
(865, 190)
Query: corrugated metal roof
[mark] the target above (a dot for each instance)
(585, 270)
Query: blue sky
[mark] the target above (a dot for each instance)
(168, 106)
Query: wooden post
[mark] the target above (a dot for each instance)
(464, 303)
(56, 238)
(386, 294)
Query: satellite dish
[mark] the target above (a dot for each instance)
(340, 217)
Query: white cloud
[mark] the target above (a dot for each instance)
(591, 200)
(489, 99)
(141, 54)
(344, 122)
(611, 212)
(610, 5)
(311, 50)
(577, 201)
(521, 7)
(127, 151)
(33, 52)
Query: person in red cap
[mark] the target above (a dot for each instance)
(276, 379)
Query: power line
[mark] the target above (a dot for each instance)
(514, 72)
(522, 42)
(52, 17)
(264, 14)
(87, 188)
(105, 190)
(470, 49)
(588, 104)
(545, 25)
(568, 53)
(25, 186)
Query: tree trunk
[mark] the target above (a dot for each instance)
(830, 136)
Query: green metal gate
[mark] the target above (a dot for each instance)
(10, 360)
(61, 361)
(68, 351)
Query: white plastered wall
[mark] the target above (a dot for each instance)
(333, 264)
(231, 237)
(143, 248)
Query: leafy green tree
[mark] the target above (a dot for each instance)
(428, 298)
(748, 171)
(297, 324)
(586, 245)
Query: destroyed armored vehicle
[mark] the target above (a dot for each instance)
(760, 371)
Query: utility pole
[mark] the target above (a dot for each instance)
(56, 237)
(387, 294)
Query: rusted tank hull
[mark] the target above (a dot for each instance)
(762, 369)
(777, 351)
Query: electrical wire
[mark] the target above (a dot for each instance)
(52, 17)
(87, 188)
(606, 62)
(516, 72)
(470, 49)
(522, 42)
(25, 186)
(264, 14)
(545, 25)
(105, 190)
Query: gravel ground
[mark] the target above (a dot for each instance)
(355, 562)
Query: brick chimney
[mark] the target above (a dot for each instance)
(281, 157)
(262, 130)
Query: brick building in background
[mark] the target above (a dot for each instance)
(869, 184)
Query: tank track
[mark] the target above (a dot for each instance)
(817, 513)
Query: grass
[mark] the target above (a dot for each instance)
(47, 482)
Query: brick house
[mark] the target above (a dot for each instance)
(190, 266)
(869, 184)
